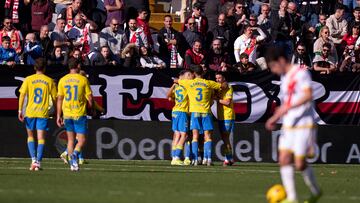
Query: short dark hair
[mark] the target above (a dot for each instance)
(168, 16)
(197, 40)
(197, 5)
(340, 7)
(142, 9)
(357, 8)
(244, 55)
(73, 63)
(105, 46)
(198, 70)
(6, 38)
(327, 45)
(40, 64)
(7, 18)
(222, 74)
(184, 71)
(274, 53)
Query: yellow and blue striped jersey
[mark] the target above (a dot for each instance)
(226, 112)
(38, 88)
(181, 99)
(75, 89)
(200, 94)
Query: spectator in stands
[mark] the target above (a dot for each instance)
(253, 19)
(247, 43)
(211, 11)
(115, 10)
(301, 56)
(8, 55)
(80, 34)
(221, 32)
(295, 20)
(324, 63)
(59, 37)
(148, 60)
(41, 14)
(195, 56)
(240, 16)
(132, 7)
(32, 49)
(218, 59)
(130, 56)
(244, 65)
(230, 20)
(69, 13)
(190, 34)
(201, 22)
(141, 21)
(14, 34)
(356, 20)
(337, 25)
(170, 43)
(45, 42)
(58, 57)
(136, 35)
(114, 38)
(310, 11)
(264, 20)
(281, 28)
(104, 58)
(351, 37)
(321, 24)
(324, 37)
(84, 60)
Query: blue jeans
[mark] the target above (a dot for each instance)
(351, 4)
(288, 45)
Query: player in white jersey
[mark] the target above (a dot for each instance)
(298, 130)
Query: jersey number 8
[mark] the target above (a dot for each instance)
(38, 92)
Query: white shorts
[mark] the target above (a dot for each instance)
(299, 141)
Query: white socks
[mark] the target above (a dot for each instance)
(310, 180)
(288, 180)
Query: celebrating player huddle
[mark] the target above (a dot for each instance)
(195, 95)
(73, 97)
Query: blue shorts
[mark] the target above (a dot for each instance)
(76, 125)
(36, 123)
(201, 122)
(226, 126)
(180, 122)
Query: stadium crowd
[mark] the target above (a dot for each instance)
(221, 35)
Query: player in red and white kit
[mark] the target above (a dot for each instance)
(299, 129)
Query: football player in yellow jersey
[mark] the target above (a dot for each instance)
(74, 94)
(180, 118)
(226, 116)
(200, 93)
(38, 88)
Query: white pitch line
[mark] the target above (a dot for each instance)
(185, 170)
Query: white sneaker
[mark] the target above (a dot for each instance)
(209, 162)
(37, 166)
(32, 165)
(204, 162)
(74, 168)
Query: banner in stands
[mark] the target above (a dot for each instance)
(141, 94)
(116, 139)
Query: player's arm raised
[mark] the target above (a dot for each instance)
(170, 93)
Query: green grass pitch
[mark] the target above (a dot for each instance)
(107, 181)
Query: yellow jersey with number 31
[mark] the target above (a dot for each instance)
(38, 88)
(226, 112)
(75, 89)
(200, 93)
(181, 99)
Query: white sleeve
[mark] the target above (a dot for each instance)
(237, 48)
(262, 35)
(304, 79)
(144, 64)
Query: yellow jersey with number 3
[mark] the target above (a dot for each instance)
(226, 112)
(200, 93)
(181, 99)
(75, 89)
(38, 88)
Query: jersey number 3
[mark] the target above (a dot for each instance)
(199, 96)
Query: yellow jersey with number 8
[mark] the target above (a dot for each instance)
(38, 88)
(75, 89)
(200, 94)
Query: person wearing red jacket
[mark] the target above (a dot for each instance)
(144, 24)
(194, 56)
(41, 14)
